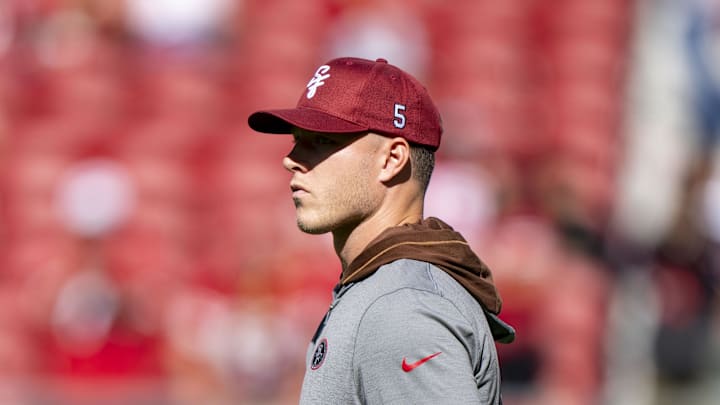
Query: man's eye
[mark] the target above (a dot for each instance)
(321, 140)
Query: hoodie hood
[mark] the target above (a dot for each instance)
(433, 241)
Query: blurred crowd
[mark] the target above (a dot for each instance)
(148, 248)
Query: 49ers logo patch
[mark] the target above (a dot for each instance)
(319, 355)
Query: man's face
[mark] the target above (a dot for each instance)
(334, 181)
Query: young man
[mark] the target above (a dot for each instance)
(413, 318)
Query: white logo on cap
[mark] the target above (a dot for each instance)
(317, 80)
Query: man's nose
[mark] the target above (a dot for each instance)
(291, 164)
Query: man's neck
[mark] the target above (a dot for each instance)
(350, 243)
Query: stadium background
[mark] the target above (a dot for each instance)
(148, 253)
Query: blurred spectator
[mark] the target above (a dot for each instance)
(373, 29)
(177, 23)
(703, 33)
(7, 27)
(659, 128)
(95, 197)
(710, 203)
(465, 195)
(66, 38)
(687, 276)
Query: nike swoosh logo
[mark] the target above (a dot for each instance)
(410, 367)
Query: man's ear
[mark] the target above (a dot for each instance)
(396, 164)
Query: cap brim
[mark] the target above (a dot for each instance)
(282, 121)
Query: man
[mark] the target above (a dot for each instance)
(414, 315)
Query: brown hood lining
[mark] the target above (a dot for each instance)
(433, 241)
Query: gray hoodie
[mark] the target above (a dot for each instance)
(409, 324)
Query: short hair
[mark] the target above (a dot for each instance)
(422, 161)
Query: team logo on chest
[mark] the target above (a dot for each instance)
(318, 80)
(318, 357)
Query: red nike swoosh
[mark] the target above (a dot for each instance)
(410, 367)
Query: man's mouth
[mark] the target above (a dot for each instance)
(297, 189)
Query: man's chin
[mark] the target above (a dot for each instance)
(311, 229)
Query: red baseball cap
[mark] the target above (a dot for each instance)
(350, 95)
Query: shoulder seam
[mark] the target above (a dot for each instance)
(437, 287)
(428, 268)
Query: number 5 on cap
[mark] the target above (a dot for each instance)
(399, 120)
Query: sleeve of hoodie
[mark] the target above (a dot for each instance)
(428, 334)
